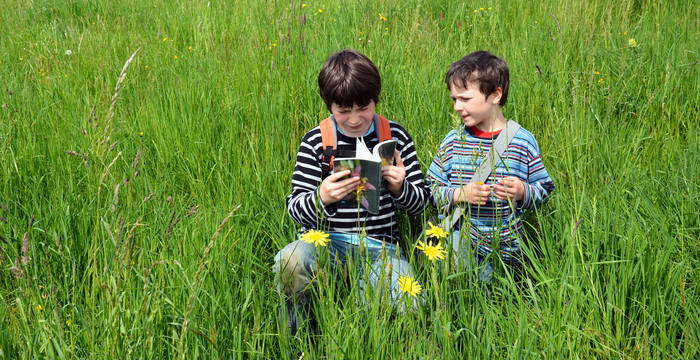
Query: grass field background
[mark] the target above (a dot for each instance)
(143, 224)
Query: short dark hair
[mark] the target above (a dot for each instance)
(348, 78)
(483, 68)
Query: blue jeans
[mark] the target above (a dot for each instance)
(469, 257)
(295, 266)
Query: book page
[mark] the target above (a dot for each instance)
(362, 152)
(368, 191)
(384, 152)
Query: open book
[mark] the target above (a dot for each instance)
(368, 166)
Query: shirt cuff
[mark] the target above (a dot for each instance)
(329, 210)
(404, 193)
(525, 203)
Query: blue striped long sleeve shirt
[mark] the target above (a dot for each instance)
(459, 155)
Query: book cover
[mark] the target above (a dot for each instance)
(368, 166)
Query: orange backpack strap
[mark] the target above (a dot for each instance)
(383, 129)
(329, 140)
(328, 137)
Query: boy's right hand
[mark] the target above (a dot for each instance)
(472, 193)
(334, 188)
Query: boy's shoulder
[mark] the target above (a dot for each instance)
(524, 134)
(398, 131)
(313, 135)
(526, 140)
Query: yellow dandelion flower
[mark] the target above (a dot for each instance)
(596, 73)
(632, 43)
(489, 8)
(165, 39)
(303, 5)
(189, 48)
(320, 11)
(432, 251)
(146, 67)
(21, 59)
(318, 238)
(39, 307)
(141, 133)
(435, 232)
(68, 323)
(409, 286)
(476, 11)
(482, 9)
(175, 57)
(382, 17)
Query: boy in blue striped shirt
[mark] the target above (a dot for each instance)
(478, 85)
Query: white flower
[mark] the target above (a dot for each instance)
(68, 52)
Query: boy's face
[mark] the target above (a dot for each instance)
(353, 121)
(475, 108)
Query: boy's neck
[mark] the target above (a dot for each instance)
(496, 123)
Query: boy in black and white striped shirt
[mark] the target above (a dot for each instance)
(349, 84)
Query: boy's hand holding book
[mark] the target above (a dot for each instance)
(395, 175)
(334, 188)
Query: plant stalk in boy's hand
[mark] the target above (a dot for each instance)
(334, 188)
(472, 193)
(509, 187)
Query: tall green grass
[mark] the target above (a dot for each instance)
(118, 237)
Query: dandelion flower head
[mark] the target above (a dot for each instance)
(318, 238)
(409, 286)
(435, 231)
(432, 251)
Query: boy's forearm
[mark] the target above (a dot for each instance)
(536, 194)
(303, 207)
(414, 198)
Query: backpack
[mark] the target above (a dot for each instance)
(329, 139)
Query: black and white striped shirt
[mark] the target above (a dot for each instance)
(305, 206)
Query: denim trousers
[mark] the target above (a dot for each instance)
(469, 257)
(296, 265)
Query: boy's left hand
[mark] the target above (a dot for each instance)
(509, 187)
(394, 175)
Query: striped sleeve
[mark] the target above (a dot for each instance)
(304, 203)
(438, 174)
(415, 191)
(539, 185)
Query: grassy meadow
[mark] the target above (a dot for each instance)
(142, 199)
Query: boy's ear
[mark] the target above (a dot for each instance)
(497, 94)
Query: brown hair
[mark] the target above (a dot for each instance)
(483, 68)
(349, 78)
